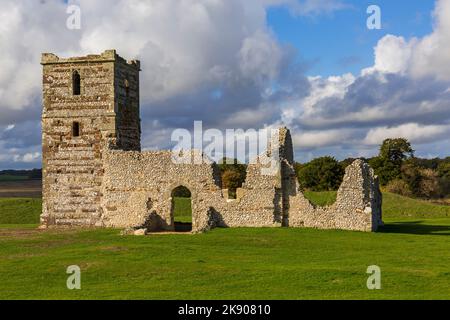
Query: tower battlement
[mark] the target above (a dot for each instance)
(106, 56)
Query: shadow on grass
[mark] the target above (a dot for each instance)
(415, 227)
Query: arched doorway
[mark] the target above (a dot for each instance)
(182, 209)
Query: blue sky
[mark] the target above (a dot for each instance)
(339, 42)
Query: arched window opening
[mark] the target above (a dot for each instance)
(75, 129)
(76, 83)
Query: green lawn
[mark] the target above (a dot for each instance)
(20, 211)
(182, 211)
(243, 263)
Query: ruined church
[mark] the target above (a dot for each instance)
(95, 174)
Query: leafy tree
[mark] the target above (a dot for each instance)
(444, 170)
(396, 150)
(400, 187)
(233, 175)
(429, 184)
(444, 176)
(385, 170)
(321, 174)
(393, 152)
(231, 180)
(411, 175)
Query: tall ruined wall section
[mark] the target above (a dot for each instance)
(358, 203)
(76, 127)
(357, 207)
(128, 124)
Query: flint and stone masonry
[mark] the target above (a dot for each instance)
(95, 175)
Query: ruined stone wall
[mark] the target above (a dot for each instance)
(258, 204)
(73, 165)
(357, 207)
(100, 178)
(137, 190)
(138, 186)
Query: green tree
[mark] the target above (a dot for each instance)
(396, 150)
(321, 174)
(393, 152)
(385, 170)
(411, 175)
(444, 176)
(233, 175)
(444, 170)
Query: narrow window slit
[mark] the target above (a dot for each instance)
(76, 129)
(76, 83)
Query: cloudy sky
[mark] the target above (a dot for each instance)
(312, 65)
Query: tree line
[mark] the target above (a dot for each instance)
(33, 174)
(396, 166)
(398, 169)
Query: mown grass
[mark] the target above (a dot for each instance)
(242, 263)
(182, 210)
(395, 206)
(228, 263)
(20, 211)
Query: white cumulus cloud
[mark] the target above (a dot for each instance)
(412, 131)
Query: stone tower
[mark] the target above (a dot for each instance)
(89, 103)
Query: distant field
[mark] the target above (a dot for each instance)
(7, 177)
(20, 189)
(242, 263)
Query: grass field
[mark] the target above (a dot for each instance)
(412, 251)
(8, 177)
(182, 210)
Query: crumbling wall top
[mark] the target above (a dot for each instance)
(106, 56)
